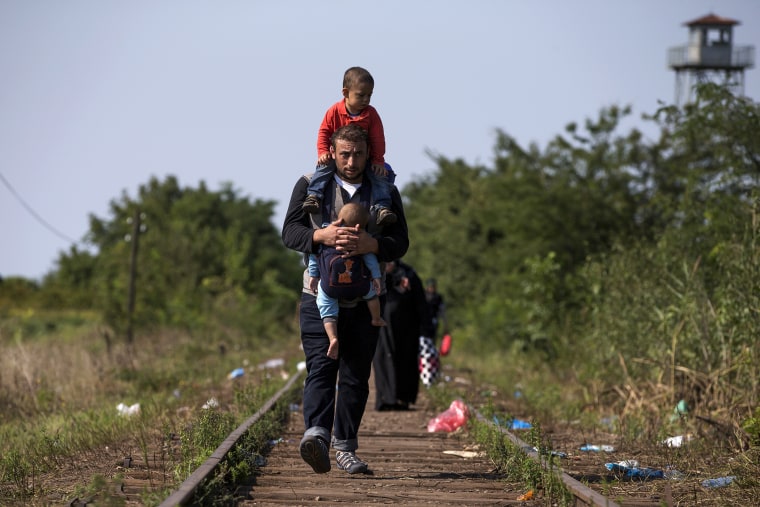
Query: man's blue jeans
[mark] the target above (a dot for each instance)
(326, 409)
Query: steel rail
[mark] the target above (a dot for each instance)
(582, 492)
(187, 489)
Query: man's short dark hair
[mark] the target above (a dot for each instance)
(351, 133)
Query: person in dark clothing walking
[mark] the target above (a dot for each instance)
(334, 416)
(436, 310)
(396, 363)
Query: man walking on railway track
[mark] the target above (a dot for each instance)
(333, 416)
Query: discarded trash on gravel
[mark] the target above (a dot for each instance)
(128, 410)
(634, 471)
(519, 424)
(272, 363)
(719, 482)
(527, 496)
(450, 419)
(237, 372)
(597, 448)
(677, 441)
(211, 403)
(465, 454)
(512, 424)
(673, 474)
(628, 463)
(681, 410)
(558, 454)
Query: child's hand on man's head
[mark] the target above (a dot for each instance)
(379, 169)
(324, 158)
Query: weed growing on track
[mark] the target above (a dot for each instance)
(201, 439)
(249, 453)
(519, 466)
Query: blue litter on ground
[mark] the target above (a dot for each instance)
(719, 482)
(597, 448)
(513, 424)
(640, 473)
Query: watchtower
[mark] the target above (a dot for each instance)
(710, 56)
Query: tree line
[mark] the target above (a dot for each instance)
(602, 247)
(609, 254)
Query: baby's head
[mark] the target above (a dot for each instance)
(352, 214)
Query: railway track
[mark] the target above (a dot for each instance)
(408, 465)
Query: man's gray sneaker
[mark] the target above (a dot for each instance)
(316, 453)
(348, 461)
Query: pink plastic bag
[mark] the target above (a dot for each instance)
(450, 419)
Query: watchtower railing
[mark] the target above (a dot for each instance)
(716, 57)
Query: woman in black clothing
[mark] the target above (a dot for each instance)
(396, 364)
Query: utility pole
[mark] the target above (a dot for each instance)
(132, 276)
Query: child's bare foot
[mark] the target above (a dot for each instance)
(332, 351)
(379, 322)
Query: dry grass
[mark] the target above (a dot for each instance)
(44, 376)
(60, 431)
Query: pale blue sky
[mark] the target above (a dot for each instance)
(97, 96)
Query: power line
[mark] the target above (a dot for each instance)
(34, 213)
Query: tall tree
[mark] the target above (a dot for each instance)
(195, 246)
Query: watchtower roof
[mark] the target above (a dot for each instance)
(712, 19)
